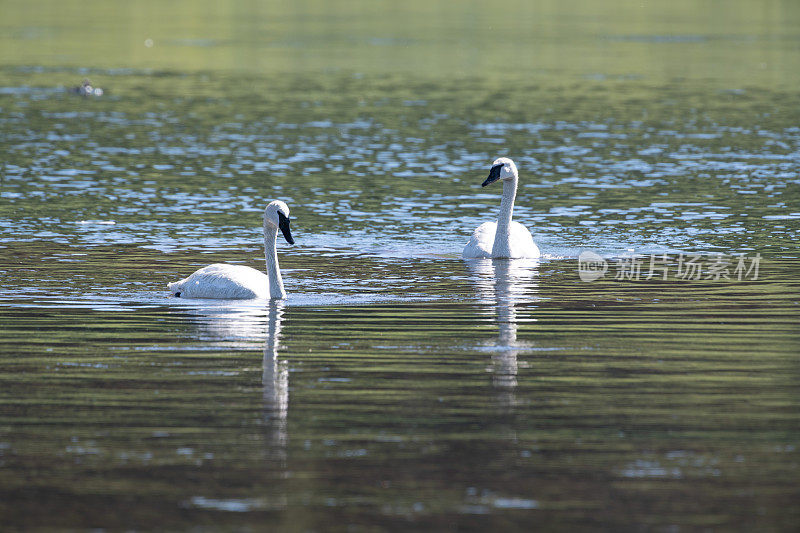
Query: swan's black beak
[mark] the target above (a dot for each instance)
(494, 175)
(283, 223)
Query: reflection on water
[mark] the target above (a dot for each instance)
(242, 325)
(502, 284)
(237, 323)
(276, 387)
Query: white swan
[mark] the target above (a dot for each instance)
(238, 281)
(504, 238)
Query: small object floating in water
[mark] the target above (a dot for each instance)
(87, 89)
(503, 238)
(225, 281)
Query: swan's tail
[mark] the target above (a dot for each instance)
(175, 287)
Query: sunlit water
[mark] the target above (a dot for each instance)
(399, 386)
(391, 179)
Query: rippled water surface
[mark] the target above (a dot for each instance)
(400, 386)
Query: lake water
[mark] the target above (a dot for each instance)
(400, 386)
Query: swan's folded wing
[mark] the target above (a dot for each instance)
(522, 244)
(223, 281)
(481, 242)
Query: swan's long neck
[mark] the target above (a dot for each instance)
(271, 255)
(502, 237)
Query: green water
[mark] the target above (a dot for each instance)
(399, 387)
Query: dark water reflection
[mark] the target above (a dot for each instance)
(530, 392)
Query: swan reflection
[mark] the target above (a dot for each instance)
(275, 379)
(237, 324)
(501, 285)
(244, 325)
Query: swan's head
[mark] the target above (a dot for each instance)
(277, 214)
(503, 168)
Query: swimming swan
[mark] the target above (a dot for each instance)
(504, 238)
(238, 281)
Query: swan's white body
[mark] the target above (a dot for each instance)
(224, 281)
(504, 238)
(520, 242)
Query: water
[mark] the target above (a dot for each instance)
(399, 386)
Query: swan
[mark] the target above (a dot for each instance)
(238, 281)
(504, 238)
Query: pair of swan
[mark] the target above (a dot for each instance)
(503, 239)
